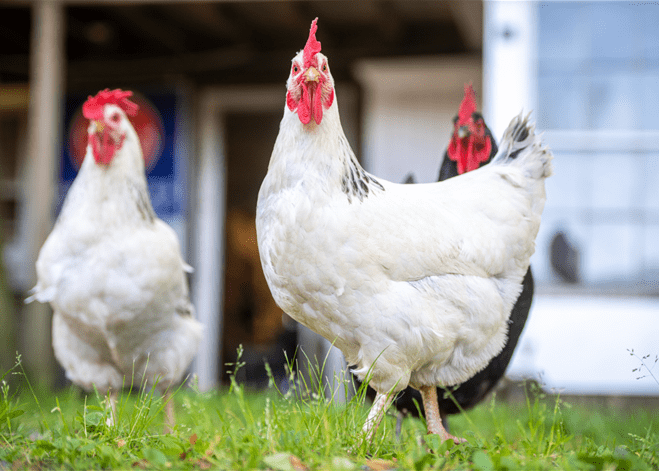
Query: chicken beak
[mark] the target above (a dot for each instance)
(463, 132)
(312, 75)
(100, 126)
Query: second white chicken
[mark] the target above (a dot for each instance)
(112, 271)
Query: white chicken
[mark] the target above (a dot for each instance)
(112, 271)
(414, 283)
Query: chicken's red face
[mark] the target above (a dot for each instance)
(470, 143)
(310, 85)
(108, 122)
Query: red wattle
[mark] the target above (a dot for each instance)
(311, 103)
(467, 155)
(290, 101)
(317, 105)
(304, 107)
(462, 159)
(103, 147)
(330, 99)
(458, 152)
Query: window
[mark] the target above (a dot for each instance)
(598, 100)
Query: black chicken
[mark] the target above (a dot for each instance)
(472, 146)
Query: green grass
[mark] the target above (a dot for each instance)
(238, 429)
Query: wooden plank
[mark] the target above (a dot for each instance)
(38, 195)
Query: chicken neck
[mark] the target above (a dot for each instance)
(376, 413)
(322, 152)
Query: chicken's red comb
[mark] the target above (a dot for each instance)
(468, 105)
(93, 107)
(312, 47)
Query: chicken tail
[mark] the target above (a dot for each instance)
(521, 146)
(40, 295)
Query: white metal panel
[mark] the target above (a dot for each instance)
(209, 244)
(578, 344)
(510, 51)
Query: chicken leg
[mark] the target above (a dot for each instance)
(112, 400)
(380, 405)
(170, 417)
(434, 421)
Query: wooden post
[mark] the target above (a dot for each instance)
(47, 66)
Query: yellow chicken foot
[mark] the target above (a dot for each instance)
(434, 421)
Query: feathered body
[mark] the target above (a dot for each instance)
(113, 272)
(471, 140)
(414, 283)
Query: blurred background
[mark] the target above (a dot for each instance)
(211, 79)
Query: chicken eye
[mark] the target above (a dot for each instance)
(325, 67)
(296, 69)
(115, 117)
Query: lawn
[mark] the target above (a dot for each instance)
(239, 429)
